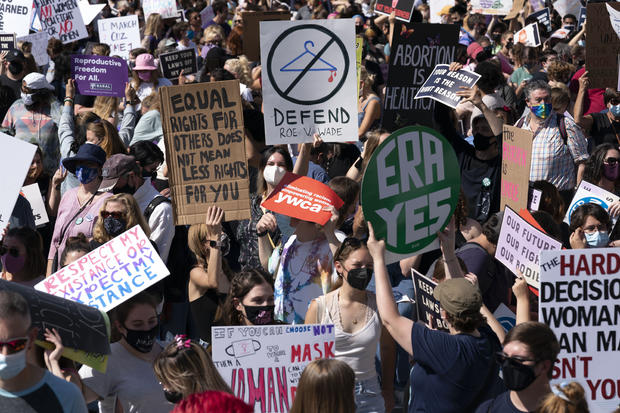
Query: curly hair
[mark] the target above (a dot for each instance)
(133, 216)
(555, 403)
(240, 285)
(560, 71)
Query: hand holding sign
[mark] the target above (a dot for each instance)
(470, 94)
(215, 216)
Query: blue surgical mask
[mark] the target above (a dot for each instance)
(12, 364)
(85, 174)
(541, 111)
(615, 110)
(597, 239)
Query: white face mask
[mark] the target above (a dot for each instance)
(27, 98)
(12, 364)
(273, 174)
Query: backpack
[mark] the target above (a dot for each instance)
(148, 211)
(561, 126)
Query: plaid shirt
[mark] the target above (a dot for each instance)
(552, 160)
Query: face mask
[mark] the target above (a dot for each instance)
(517, 376)
(611, 171)
(359, 278)
(27, 98)
(114, 226)
(172, 396)
(509, 45)
(615, 110)
(144, 76)
(85, 174)
(147, 174)
(259, 314)
(359, 29)
(273, 174)
(496, 37)
(127, 189)
(13, 364)
(15, 68)
(13, 264)
(541, 111)
(142, 340)
(481, 142)
(597, 239)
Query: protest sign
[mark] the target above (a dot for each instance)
(529, 35)
(506, 318)
(61, 19)
(543, 18)
(588, 193)
(602, 55)
(15, 159)
(7, 42)
(519, 246)
(15, 16)
(402, 8)
(89, 11)
(180, 60)
(443, 84)
(410, 188)
(166, 8)
(302, 198)
(33, 195)
(516, 161)
(120, 33)
(493, 7)
(435, 7)
(614, 19)
(564, 7)
(582, 18)
(99, 75)
(580, 301)
(205, 150)
(97, 361)
(426, 304)
(517, 7)
(416, 51)
(561, 33)
(263, 364)
(359, 44)
(537, 5)
(111, 274)
(206, 15)
(533, 199)
(251, 29)
(39, 43)
(309, 81)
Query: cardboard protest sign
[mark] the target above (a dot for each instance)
(205, 150)
(588, 193)
(251, 30)
(120, 33)
(403, 8)
(111, 274)
(180, 60)
(519, 246)
(89, 11)
(442, 85)
(506, 318)
(15, 159)
(416, 50)
(529, 35)
(427, 305)
(492, 7)
(309, 81)
(15, 16)
(99, 75)
(602, 55)
(516, 161)
(410, 188)
(263, 364)
(582, 18)
(517, 7)
(39, 43)
(7, 42)
(302, 198)
(61, 19)
(33, 195)
(166, 8)
(580, 301)
(543, 18)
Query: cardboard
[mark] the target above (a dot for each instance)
(359, 44)
(516, 161)
(427, 305)
(263, 364)
(404, 8)
(205, 150)
(99, 75)
(166, 8)
(601, 55)
(111, 274)
(33, 195)
(529, 35)
(492, 7)
(61, 19)
(435, 7)
(518, 6)
(251, 30)
(39, 46)
(180, 60)
(15, 16)
(120, 33)
(7, 42)
(442, 85)
(588, 193)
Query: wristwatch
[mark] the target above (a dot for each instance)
(215, 244)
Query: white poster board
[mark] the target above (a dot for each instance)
(167, 8)
(491, 7)
(15, 16)
(528, 35)
(437, 6)
(39, 46)
(89, 11)
(33, 195)
(120, 33)
(564, 7)
(309, 80)
(588, 193)
(61, 19)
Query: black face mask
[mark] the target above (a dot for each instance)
(142, 340)
(359, 278)
(15, 68)
(114, 226)
(359, 28)
(259, 315)
(127, 189)
(517, 376)
(481, 142)
(147, 174)
(172, 396)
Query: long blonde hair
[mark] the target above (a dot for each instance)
(110, 140)
(106, 107)
(556, 401)
(240, 67)
(152, 25)
(133, 217)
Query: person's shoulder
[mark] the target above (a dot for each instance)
(66, 392)
(164, 82)
(499, 404)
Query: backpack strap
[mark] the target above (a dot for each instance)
(562, 127)
(520, 123)
(154, 204)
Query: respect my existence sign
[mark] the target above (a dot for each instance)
(205, 150)
(180, 60)
(15, 16)
(111, 274)
(61, 19)
(516, 160)
(122, 34)
(309, 81)
(99, 75)
(263, 364)
(443, 84)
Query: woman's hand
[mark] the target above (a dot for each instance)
(54, 338)
(614, 209)
(584, 82)
(266, 223)
(182, 78)
(578, 239)
(376, 247)
(470, 94)
(329, 229)
(59, 177)
(455, 66)
(70, 89)
(472, 278)
(519, 288)
(130, 93)
(447, 239)
(215, 215)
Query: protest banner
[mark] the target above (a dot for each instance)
(517, 7)
(561, 33)
(543, 17)
(15, 159)
(582, 18)
(251, 30)
(309, 81)
(39, 43)
(15, 16)
(166, 8)
(99, 75)
(7, 42)
(416, 51)
(516, 161)
(435, 7)
(180, 60)
(580, 301)
(564, 7)
(602, 55)
(533, 199)
(402, 8)
(529, 35)
(110, 274)
(302, 198)
(61, 19)
(120, 33)
(410, 188)
(263, 364)
(519, 246)
(588, 193)
(33, 195)
(442, 85)
(492, 7)
(89, 11)
(205, 150)
(427, 306)
(505, 316)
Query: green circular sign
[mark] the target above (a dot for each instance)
(410, 188)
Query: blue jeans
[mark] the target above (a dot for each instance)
(368, 398)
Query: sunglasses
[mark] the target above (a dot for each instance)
(113, 214)
(612, 161)
(15, 345)
(12, 251)
(501, 358)
(348, 242)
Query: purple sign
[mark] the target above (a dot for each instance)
(99, 75)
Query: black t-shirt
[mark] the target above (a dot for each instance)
(500, 404)
(602, 131)
(15, 85)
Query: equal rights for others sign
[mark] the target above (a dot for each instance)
(61, 19)
(580, 301)
(443, 84)
(99, 75)
(120, 33)
(111, 274)
(263, 364)
(516, 161)
(205, 150)
(309, 81)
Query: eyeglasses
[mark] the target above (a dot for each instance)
(12, 251)
(14, 345)
(611, 161)
(113, 214)
(501, 358)
(593, 228)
